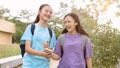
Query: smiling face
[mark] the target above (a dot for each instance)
(45, 13)
(70, 24)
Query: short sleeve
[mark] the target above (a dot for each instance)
(27, 35)
(57, 47)
(53, 40)
(88, 48)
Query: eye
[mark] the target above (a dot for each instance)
(65, 22)
(46, 11)
(69, 21)
(51, 12)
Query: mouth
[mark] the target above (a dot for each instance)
(47, 16)
(68, 28)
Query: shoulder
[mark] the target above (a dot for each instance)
(51, 31)
(29, 26)
(85, 37)
(61, 36)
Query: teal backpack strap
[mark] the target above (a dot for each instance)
(84, 38)
(62, 38)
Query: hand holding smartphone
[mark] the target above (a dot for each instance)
(48, 50)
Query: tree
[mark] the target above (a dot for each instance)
(97, 7)
(106, 46)
(3, 11)
(25, 15)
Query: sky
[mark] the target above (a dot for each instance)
(33, 5)
(16, 5)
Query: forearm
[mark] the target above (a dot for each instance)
(29, 50)
(33, 52)
(55, 56)
(89, 62)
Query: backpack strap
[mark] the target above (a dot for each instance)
(32, 28)
(62, 39)
(84, 38)
(50, 32)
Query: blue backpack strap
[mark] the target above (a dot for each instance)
(32, 28)
(50, 32)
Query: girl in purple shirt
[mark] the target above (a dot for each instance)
(73, 55)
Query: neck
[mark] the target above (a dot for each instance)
(73, 32)
(42, 23)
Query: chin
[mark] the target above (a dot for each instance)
(69, 31)
(46, 19)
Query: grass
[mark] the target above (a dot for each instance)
(9, 50)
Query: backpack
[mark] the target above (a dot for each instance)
(22, 46)
(62, 38)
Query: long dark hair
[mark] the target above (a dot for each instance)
(37, 17)
(79, 27)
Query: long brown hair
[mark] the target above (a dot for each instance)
(79, 27)
(37, 17)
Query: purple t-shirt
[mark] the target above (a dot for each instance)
(73, 56)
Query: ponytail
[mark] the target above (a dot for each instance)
(37, 19)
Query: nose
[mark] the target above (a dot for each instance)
(49, 13)
(66, 24)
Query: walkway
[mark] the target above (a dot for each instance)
(53, 63)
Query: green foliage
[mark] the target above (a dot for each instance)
(106, 46)
(20, 28)
(19, 31)
(9, 50)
